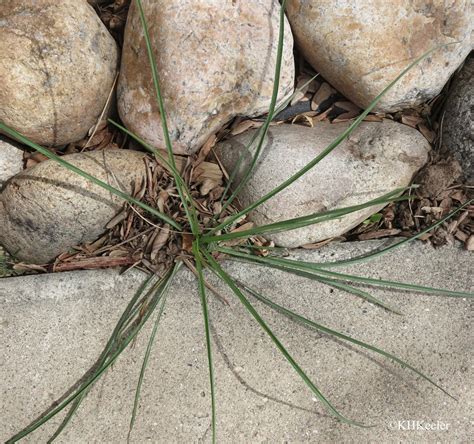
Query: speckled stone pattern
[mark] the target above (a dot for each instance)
(361, 46)
(458, 128)
(216, 60)
(47, 209)
(57, 66)
(376, 159)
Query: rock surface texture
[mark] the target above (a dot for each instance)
(57, 66)
(11, 160)
(216, 60)
(360, 47)
(458, 127)
(374, 160)
(54, 326)
(47, 209)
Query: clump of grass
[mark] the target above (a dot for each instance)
(208, 248)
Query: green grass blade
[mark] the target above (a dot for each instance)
(327, 150)
(355, 291)
(290, 265)
(176, 174)
(347, 288)
(339, 335)
(310, 219)
(184, 195)
(215, 267)
(150, 148)
(151, 341)
(105, 353)
(266, 247)
(205, 312)
(396, 284)
(50, 155)
(395, 245)
(256, 136)
(271, 111)
(111, 359)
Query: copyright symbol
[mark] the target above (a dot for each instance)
(391, 425)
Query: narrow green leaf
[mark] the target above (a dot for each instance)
(100, 371)
(353, 290)
(50, 155)
(113, 340)
(377, 253)
(246, 150)
(151, 341)
(215, 267)
(326, 330)
(151, 149)
(344, 287)
(176, 175)
(289, 265)
(183, 194)
(264, 130)
(205, 313)
(310, 219)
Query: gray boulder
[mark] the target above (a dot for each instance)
(47, 209)
(458, 127)
(374, 160)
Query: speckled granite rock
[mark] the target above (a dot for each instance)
(458, 127)
(216, 60)
(361, 46)
(47, 209)
(11, 160)
(57, 65)
(374, 160)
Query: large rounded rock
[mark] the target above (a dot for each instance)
(11, 160)
(458, 127)
(376, 159)
(361, 46)
(47, 209)
(57, 66)
(216, 60)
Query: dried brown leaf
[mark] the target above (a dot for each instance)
(379, 233)
(410, 120)
(321, 95)
(160, 240)
(430, 135)
(244, 125)
(351, 111)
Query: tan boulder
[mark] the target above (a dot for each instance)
(361, 46)
(47, 209)
(216, 60)
(57, 66)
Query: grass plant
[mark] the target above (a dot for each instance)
(207, 247)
